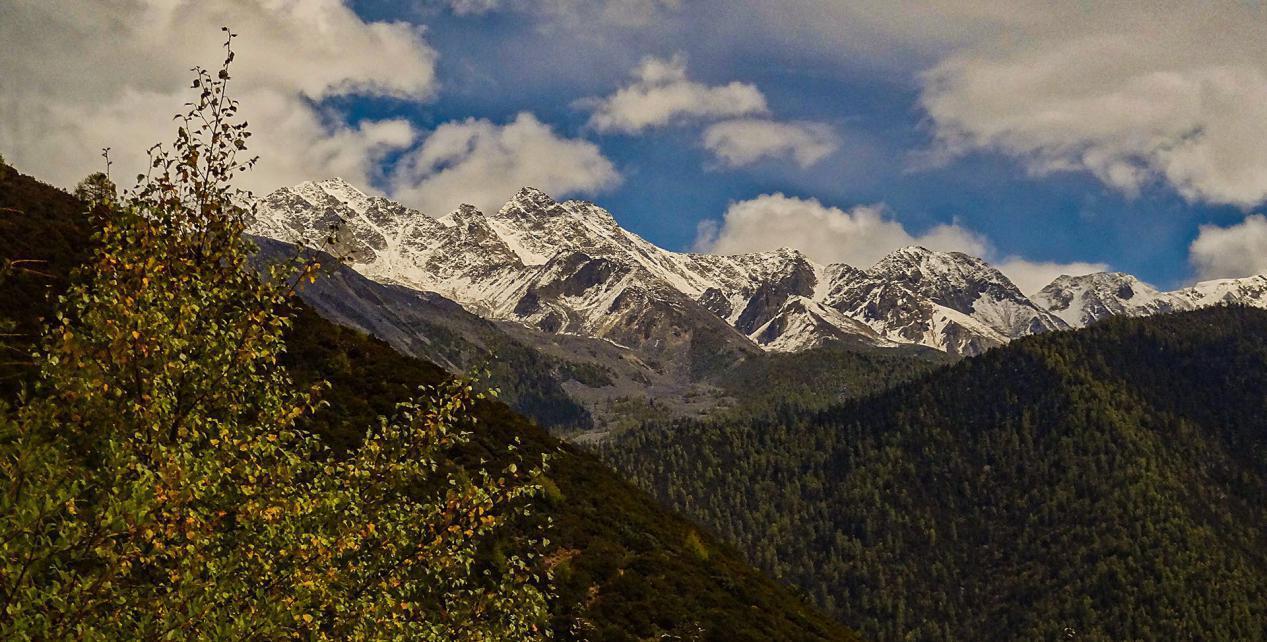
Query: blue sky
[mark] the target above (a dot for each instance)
(1047, 138)
(496, 64)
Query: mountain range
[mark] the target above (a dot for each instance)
(1082, 300)
(569, 268)
(617, 317)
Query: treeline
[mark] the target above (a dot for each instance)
(1103, 484)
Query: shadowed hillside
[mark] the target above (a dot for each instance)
(1103, 484)
(626, 569)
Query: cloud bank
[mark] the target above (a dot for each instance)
(1172, 94)
(1231, 252)
(482, 163)
(860, 237)
(661, 94)
(112, 74)
(745, 141)
(571, 13)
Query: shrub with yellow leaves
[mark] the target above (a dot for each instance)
(155, 484)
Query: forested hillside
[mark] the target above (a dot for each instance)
(821, 377)
(625, 568)
(1103, 484)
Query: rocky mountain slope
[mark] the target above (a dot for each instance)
(586, 325)
(572, 383)
(569, 268)
(1083, 300)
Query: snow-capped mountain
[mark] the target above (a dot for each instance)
(946, 300)
(569, 268)
(1083, 300)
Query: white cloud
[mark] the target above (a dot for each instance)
(473, 7)
(1032, 276)
(747, 140)
(479, 162)
(572, 14)
(80, 76)
(859, 237)
(1169, 93)
(1172, 92)
(662, 94)
(1231, 252)
(586, 14)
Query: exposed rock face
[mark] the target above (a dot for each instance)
(569, 268)
(946, 300)
(1083, 300)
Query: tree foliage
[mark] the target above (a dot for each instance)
(1105, 484)
(97, 187)
(155, 483)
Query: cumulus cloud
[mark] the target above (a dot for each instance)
(1176, 93)
(586, 15)
(1231, 252)
(1165, 93)
(80, 76)
(482, 163)
(1032, 276)
(571, 13)
(661, 94)
(860, 237)
(473, 7)
(745, 141)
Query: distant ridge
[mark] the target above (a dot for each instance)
(570, 268)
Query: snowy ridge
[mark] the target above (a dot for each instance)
(569, 268)
(1083, 300)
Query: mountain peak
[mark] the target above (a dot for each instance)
(330, 191)
(493, 262)
(1094, 277)
(337, 183)
(528, 191)
(1085, 299)
(926, 260)
(918, 254)
(465, 213)
(1123, 285)
(527, 199)
(912, 250)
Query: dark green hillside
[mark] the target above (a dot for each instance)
(1105, 484)
(627, 569)
(822, 377)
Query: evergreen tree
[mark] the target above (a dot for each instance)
(1104, 484)
(96, 188)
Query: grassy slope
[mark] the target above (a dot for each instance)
(633, 571)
